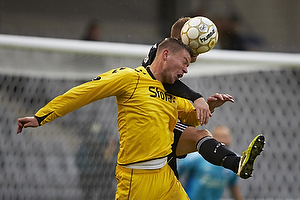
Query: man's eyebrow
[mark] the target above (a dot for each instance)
(187, 60)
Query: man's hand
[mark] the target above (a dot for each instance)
(218, 100)
(26, 122)
(202, 110)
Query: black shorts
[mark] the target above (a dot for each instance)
(179, 128)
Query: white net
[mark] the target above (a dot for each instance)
(74, 156)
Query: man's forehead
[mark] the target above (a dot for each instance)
(186, 55)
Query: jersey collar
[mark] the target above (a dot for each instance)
(150, 73)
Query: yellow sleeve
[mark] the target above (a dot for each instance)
(187, 113)
(111, 83)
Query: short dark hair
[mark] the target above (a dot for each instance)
(175, 45)
(177, 26)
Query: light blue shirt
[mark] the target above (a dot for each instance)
(203, 180)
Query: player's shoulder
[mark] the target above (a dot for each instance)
(141, 70)
(154, 47)
(123, 71)
(130, 73)
(151, 54)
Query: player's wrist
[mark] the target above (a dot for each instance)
(196, 96)
(39, 120)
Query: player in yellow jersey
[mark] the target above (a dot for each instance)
(147, 115)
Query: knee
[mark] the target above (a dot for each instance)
(203, 133)
(199, 134)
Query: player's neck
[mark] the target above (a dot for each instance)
(156, 71)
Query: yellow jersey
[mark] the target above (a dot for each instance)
(147, 114)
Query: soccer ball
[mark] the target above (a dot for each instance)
(200, 34)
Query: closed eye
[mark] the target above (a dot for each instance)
(186, 62)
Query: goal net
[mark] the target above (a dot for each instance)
(74, 156)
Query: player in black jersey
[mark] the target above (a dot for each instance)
(189, 139)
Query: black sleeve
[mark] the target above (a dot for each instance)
(151, 55)
(181, 90)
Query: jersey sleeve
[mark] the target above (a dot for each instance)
(187, 113)
(180, 89)
(151, 55)
(111, 83)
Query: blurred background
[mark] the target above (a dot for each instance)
(262, 25)
(256, 60)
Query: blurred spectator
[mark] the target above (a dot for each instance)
(229, 36)
(95, 160)
(201, 11)
(92, 32)
(203, 180)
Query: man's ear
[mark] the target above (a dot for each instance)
(165, 54)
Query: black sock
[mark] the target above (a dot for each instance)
(232, 163)
(217, 153)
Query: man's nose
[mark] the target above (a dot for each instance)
(185, 70)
